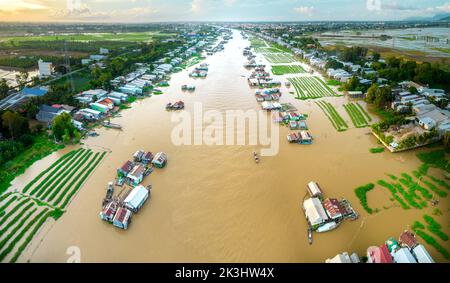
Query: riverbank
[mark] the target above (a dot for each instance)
(214, 205)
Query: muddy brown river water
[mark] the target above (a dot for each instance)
(213, 203)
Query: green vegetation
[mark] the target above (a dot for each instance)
(392, 189)
(358, 118)
(65, 176)
(310, 88)
(20, 235)
(38, 177)
(434, 227)
(417, 228)
(377, 150)
(334, 82)
(82, 179)
(17, 217)
(279, 58)
(368, 118)
(361, 193)
(257, 42)
(54, 174)
(436, 158)
(332, 115)
(11, 200)
(287, 69)
(15, 166)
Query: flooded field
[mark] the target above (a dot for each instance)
(213, 203)
(435, 42)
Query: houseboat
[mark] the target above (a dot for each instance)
(188, 88)
(108, 124)
(179, 105)
(305, 138)
(122, 218)
(137, 156)
(136, 176)
(108, 212)
(160, 160)
(136, 198)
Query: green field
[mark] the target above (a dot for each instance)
(129, 37)
(336, 120)
(46, 196)
(279, 58)
(311, 88)
(257, 42)
(359, 117)
(289, 69)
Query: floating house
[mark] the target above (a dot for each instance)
(314, 190)
(160, 160)
(293, 125)
(408, 239)
(379, 254)
(302, 126)
(403, 255)
(334, 209)
(422, 255)
(108, 212)
(305, 137)
(136, 176)
(122, 218)
(136, 198)
(293, 138)
(147, 158)
(125, 169)
(137, 156)
(314, 211)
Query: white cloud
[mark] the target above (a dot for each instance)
(305, 10)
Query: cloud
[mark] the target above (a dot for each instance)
(305, 10)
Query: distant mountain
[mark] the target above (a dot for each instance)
(436, 18)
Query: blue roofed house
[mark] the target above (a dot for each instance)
(34, 91)
(48, 113)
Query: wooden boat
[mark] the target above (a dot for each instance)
(108, 124)
(256, 157)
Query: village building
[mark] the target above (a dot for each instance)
(160, 160)
(136, 198)
(314, 211)
(108, 212)
(122, 218)
(136, 175)
(379, 255)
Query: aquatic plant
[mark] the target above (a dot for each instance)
(361, 193)
(434, 227)
(432, 242)
(377, 150)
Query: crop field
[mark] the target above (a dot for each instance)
(358, 115)
(257, 42)
(23, 213)
(279, 58)
(311, 88)
(336, 120)
(287, 69)
(267, 50)
(129, 37)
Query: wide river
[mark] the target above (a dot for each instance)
(213, 203)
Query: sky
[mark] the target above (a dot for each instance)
(143, 11)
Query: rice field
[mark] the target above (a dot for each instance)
(257, 42)
(311, 88)
(287, 69)
(336, 120)
(22, 214)
(358, 115)
(279, 58)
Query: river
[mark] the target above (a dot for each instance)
(213, 203)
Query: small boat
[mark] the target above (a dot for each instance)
(108, 124)
(328, 227)
(256, 157)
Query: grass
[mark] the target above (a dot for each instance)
(435, 228)
(41, 187)
(42, 147)
(83, 178)
(16, 218)
(358, 118)
(332, 115)
(28, 239)
(279, 58)
(65, 177)
(30, 224)
(436, 158)
(361, 193)
(11, 200)
(377, 150)
(38, 177)
(287, 69)
(311, 88)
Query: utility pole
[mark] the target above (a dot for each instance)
(67, 63)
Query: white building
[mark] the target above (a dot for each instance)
(403, 255)
(136, 198)
(314, 211)
(422, 255)
(45, 68)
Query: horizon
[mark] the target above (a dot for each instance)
(223, 11)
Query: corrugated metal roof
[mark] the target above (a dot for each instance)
(136, 197)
